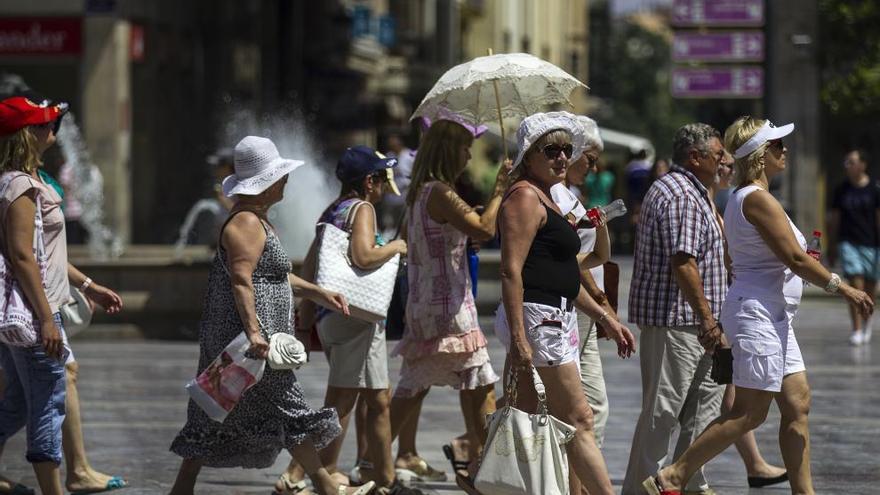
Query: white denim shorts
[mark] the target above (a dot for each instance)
(551, 332)
(765, 349)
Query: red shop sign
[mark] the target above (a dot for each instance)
(40, 36)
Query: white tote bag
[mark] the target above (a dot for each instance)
(525, 453)
(368, 292)
(19, 325)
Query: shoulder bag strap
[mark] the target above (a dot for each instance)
(352, 212)
(38, 234)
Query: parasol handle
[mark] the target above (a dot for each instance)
(498, 106)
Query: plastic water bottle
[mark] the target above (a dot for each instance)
(612, 210)
(814, 248)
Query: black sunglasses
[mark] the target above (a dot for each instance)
(552, 151)
(777, 143)
(55, 125)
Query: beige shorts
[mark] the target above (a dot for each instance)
(552, 333)
(356, 351)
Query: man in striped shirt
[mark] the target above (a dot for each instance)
(679, 282)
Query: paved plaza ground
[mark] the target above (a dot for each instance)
(134, 403)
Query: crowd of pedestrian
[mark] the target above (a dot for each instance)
(713, 293)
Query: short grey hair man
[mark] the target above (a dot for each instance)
(689, 137)
(678, 284)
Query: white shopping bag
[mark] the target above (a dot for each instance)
(219, 388)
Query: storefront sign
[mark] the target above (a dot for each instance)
(40, 36)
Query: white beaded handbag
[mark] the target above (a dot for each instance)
(368, 292)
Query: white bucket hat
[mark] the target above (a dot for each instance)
(257, 166)
(534, 126)
(591, 136)
(767, 132)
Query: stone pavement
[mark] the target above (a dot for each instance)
(134, 403)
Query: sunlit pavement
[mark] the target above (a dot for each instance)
(134, 403)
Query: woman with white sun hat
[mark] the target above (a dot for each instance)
(249, 290)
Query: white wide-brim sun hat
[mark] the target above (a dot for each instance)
(258, 165)
(534, 126)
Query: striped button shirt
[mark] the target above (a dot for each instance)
(676, 217)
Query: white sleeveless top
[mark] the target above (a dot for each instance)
(756, 270)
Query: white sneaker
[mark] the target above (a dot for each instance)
(857, 338)
(866, 338)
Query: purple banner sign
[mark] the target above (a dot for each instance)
(738, 46)
(718, 13)
(718, 82)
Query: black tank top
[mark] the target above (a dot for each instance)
(551, 271)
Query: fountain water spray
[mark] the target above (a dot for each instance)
(89, 190)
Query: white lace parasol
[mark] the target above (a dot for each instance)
(525, 85)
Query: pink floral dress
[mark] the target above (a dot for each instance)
(443, 344)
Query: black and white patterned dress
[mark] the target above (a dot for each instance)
(273, 414)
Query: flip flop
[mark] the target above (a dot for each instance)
(456, 464)
(466, 484)
(760, 481)
(19, 489)
(115, 483)
(361, 490)
(421, 472)
(652, 486)
(291, 487)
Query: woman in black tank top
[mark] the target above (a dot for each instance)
(540, 283)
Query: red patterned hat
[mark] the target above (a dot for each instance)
(18, 112)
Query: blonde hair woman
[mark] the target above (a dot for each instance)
(768, 262)
(443, 344)
(27, 130)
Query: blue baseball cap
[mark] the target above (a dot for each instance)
(360, 161)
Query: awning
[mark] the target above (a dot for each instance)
(630, 141)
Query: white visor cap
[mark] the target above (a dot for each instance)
(768, 132)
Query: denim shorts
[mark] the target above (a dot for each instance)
(860, 261)
(36, 388)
